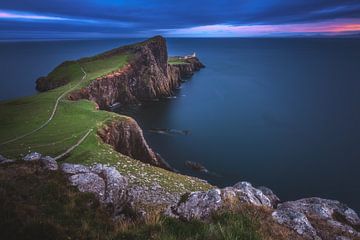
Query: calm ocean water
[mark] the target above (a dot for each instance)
(277, 112)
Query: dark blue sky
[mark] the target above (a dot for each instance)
(185, 18)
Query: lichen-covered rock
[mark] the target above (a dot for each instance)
(297, 221)
(34, 156)
(108, 185)
(274, 200)
(313, 217)
(89, 182)
(116, 186)
(200, 205)
(49, 163)
(4, 160)
(247, 193)
(74, 168)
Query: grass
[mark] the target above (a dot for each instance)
(73, 119)
(224, 226)
(176, 60)
(36, 204)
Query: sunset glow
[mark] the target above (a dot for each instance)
(333, 27)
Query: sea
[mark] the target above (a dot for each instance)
(279, 112)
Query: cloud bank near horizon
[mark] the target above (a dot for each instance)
(202, 18)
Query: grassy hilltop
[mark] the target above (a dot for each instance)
(73, 119)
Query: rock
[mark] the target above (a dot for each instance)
(108, 185)
(89, 182)
(313, 217)
(247, 193)
(4, 160)
(74, 168)
(116, 185)
(49, 163)
(34, 156)
(200, 205)
(296, 221)
(274, 200)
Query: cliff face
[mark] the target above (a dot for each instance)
(147, 76)
(127, 138)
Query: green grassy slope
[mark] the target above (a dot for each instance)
(72, 120)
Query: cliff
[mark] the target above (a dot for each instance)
(128, 75)
(127, 138)
(147, 76)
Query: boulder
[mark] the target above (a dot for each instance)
(89, 182)
(34, 156)
(108, 185)
(315, 217)
(247, 193)
(274, 200)
(4, 160)
(49, 163)
(74, 168)
(200, 205)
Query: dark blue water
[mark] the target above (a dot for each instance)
(277, 112)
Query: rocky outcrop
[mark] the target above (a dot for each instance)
(147, 76)
(316, 218)
(4, 160)
(47, 162)
(108, 185)
(127, 138)
(201, 205)
(311, 218)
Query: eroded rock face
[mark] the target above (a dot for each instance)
(108, 185)
(147, 76)
(4, 160)
(127, 138)
(200, 205)
(318, 218)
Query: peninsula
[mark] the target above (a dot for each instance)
(84, 171)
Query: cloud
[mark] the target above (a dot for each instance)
(148, 17)
(224, 30)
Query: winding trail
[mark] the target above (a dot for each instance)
(73, 146)
(52, 114)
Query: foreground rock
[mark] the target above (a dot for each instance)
(108, 185)
(311, 218)
(317, 218)
(4, 160)
(201, 205)
(47, 162)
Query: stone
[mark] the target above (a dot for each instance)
(49, 163)
(302, 215)
(247, 193)
(108, 185)
(34, 156)
(89, 182)
(274, 200)
(295, 220)
(4, 160)
(74, 168)
(199, 205)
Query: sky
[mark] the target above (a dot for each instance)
(32, 19)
